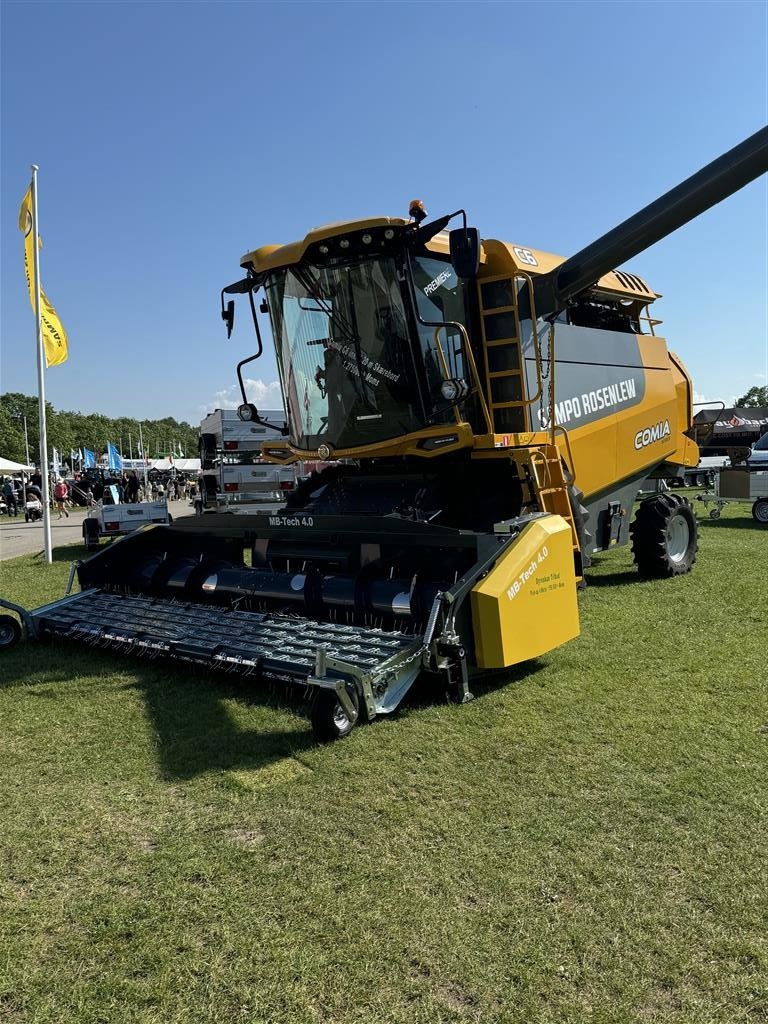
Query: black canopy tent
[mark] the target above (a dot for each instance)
(719, 429)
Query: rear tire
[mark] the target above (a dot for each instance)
(10, 632)
(664, 537)
(580, 519)
(329, 718)
(760, 511)
(91, 534)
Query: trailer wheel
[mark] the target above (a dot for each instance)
(10, 632)
(329, 718)
(91, 534)
(760, 510)
(664, 537)
(714, 513)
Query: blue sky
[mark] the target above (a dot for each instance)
(174, 137)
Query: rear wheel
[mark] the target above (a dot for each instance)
(10, 631)
(664, 537)
(760, 510)
(330, 719)
(91, 533)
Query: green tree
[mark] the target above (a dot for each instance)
(755, 398)
(75, 430)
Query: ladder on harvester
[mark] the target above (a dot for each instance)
(506, 391)
(500, 325)
(552, 490)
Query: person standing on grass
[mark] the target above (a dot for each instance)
(60, 495)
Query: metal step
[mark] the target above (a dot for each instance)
(272, 646)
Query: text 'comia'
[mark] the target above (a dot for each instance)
(657, 432)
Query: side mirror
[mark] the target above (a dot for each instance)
(465, 251)
(454, 390)
(228, 316)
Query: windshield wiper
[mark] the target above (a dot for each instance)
(348, 333)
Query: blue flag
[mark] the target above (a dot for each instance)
(89, 459)
(114, 460)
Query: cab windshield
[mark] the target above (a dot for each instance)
(344, 357)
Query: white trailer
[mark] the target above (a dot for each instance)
(234, 475)
(116, 520)
(739, 484)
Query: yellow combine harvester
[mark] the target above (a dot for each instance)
(485, 412)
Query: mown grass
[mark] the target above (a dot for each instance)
(584, 842)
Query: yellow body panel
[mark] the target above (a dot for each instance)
(505, 258)
(270, 257)
(527, 604)
(448, 437)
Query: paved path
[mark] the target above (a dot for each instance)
(20, 538)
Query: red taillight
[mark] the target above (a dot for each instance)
(230, 446)
(287, 485)
(111, 526)
(231, 487)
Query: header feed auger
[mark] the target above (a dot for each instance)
(486, 412)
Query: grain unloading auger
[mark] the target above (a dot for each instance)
(486, 414)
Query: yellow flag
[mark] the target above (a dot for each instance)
(54, 335)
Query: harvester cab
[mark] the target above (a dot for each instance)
(481, 415)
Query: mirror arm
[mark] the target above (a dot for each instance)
(255, 323)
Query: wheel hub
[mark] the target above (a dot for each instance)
(678, 537)
(340, 717)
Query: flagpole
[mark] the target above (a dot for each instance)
(143, 459)
(41, 377)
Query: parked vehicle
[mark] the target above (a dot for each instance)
(115, 520)
(758, 457)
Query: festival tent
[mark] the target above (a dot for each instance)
(6, 466)
(182, 465)
(730, 428)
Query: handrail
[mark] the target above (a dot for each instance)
(535, 338)
(534, 454)
(571, 460)
(444, 366)
(473, 368)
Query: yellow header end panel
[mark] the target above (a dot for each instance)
(527, 604)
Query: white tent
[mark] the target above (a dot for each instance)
(182, 465)
(6, 466)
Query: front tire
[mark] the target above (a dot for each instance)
(10, 632)
(580, 520)
(760, 511)
(665, 537)
(329, 718)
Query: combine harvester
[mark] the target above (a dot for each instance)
(490, 412)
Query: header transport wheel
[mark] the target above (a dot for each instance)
(330, 720)
(10, 631)
(760, 510)
(664, 537)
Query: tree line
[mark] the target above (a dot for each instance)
(68, 431)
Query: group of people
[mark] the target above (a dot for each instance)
(130, 488)
(13, 491)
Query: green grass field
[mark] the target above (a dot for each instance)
(585, 842)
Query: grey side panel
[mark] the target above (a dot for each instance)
(599, 508)
(597, 373)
